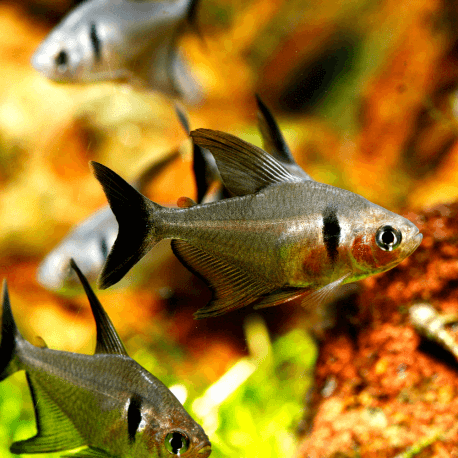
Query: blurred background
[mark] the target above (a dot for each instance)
(364, 93)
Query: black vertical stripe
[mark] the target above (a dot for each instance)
(134, 417)
(331, 232)
(96, 44)
(104, 247)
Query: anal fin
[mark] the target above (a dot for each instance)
(232, 286)
(55, 430)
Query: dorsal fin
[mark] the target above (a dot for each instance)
(274, 142)
(203, 162)
(153, 170)
(108, 341)
(244, 168)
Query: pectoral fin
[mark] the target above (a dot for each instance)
(324, 295)
(232, 287)
(55, 431)
(108, 340)
(244, 168)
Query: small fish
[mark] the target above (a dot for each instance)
(105, 402)
(280, 238)
(127, 40)
(89, 242)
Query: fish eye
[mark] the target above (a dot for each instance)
(176, 443)
(61, 61)
(388, 238)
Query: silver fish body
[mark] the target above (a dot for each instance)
(105, 402)
(89, 242)
(121, 40)
(281, 237)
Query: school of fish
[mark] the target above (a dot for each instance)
(269, 234)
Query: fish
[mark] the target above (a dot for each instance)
(89, 242)
(104, 402)
(122, 40)
(279, 238)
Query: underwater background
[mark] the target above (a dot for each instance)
(365, 95)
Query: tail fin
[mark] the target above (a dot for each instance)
(10, 335)
(137, 229)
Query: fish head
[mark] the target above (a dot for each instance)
(380, 240)
(62, 56)
(54, 272)
(170, 431)
(76, 49)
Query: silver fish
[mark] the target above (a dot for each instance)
(89, 242)
(280, 238)
(105, 402)
(128, 40)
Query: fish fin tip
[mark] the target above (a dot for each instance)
(244, 168)
(108, 340)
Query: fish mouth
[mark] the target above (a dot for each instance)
(205, 450)
(417, 238)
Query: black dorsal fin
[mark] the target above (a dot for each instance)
(153, 170)
(244, 168)
(274, 142)
(108, 341)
